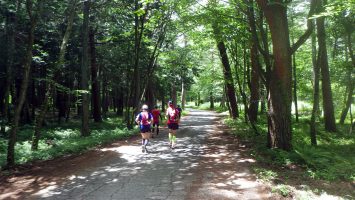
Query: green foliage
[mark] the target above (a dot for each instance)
(330, 160)
(281, 189)
(65, 140)
(264, 174)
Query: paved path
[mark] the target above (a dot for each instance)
(202, 166)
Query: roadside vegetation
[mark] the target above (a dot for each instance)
(306, 171)
(65, 139)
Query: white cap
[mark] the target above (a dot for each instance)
(144, 107)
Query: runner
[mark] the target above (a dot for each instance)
(173, 123)
(156, 115)
(144, 120)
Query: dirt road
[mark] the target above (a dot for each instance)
(206, 164)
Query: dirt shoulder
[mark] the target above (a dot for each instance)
(225, 170)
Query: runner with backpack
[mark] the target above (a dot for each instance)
(156, 115)
(144, 120)
(173, 123)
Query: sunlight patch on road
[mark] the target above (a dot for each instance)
(246, 160)
(47, 192)
(129, 153)
(244, 183)
(223, 193)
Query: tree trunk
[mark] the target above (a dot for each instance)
(322, 61)
(24, 85)
(348, 102)
(295, 85)
(84, 71)
(241, 89)
(228, 79)
(95, 84)
(163, 103)
(227, 101)
(105, 98)
(11, 20)
(350, 81)
(149, 96)
(313, 131)
(280, 90)
(254, 84)
(211, 101)
(198, 99)
(223, 102)
(183, 95)
(136, 80)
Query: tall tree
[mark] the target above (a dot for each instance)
(94, 78)
(230, 90)
(280, 91)
(316, 74)
(84, 70)
(322, 61)
(33, 17)
(254, 84)
(10, 29)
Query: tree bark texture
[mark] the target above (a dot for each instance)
(211, 101)
(95, 84)
(322, 61)
(280, 85)
(313, 131)
(183, 95)
(254, 84)
(228, 79)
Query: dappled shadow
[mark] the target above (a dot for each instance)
(121, 171)
(224, 171)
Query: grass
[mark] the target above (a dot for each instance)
(306, 172)
(64, 140)
(332, 159)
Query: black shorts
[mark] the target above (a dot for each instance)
(156, 124)
(173, 126)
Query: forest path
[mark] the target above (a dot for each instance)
(207, 163)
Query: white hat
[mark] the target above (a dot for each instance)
(144, 107)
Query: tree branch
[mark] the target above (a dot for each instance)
(307, 33)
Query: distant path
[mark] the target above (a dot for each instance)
(206, 164)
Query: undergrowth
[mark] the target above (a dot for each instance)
(58, 141)
(332, 159)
